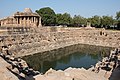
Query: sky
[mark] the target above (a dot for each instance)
(85, 8)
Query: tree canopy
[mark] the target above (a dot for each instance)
(118, 20)
(63, 19)
(118, 15)
(49, 17)
(95, 21)
(79, 21)
(106, 21)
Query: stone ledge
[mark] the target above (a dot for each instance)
(5, 74)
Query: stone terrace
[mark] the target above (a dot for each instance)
(35, 40)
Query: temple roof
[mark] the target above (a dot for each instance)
(7, 18)
(27, 12)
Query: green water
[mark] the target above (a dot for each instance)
(75, 56)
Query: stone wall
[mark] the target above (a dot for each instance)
(49, 38)
(5, 74)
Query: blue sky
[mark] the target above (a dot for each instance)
(85, 8)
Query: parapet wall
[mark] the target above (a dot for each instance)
(49, 38)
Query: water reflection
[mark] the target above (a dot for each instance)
(72, 56)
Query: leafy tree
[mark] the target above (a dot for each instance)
(63, 19)
(48, 16)
(79, 20)
(107, 21)
(59, 19)
(67, 18)
(118, 20)
(89, 20)
(118, 15)
(96, 21)
(76, 20)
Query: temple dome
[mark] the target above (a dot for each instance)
(28, 10)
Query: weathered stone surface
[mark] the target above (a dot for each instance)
(45, 39)
(71, 74)
(5, 74)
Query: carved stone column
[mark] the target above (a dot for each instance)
(40, 22)
(20, 21)
(32, 19)
(24, 21)
(34, 22)
(28, 21)
(17, 20)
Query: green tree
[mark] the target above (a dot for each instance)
(107, 21)
(95, 21)
(76, 20)
(48, 16)
(63, 19)
(59, 19)
(118, 20)
(79, 21)
(118, 15)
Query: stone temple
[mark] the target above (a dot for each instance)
(22, 19)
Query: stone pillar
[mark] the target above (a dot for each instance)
(24, 21)
(28, 21)
(20, 21)
(32, 19)
(17, 20)
(39, 22)
(34, 22)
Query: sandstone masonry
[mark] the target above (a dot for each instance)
(22, 19)
(42, 39)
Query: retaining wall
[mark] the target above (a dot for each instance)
(49, 38)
